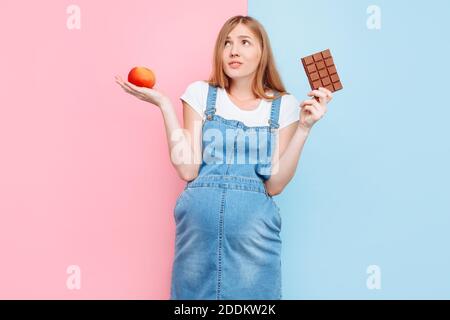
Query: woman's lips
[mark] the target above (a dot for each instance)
(235, 65)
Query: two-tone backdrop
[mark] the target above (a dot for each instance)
(87, 190)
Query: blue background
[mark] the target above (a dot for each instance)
(372, 183)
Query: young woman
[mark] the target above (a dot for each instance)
(252, 133)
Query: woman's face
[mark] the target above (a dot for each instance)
(242, 46)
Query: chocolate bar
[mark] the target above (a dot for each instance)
(321, 71)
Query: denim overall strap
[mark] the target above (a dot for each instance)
(274, 113)
(211, 102)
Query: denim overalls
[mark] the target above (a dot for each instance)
(228, 243)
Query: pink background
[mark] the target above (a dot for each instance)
(85, 173)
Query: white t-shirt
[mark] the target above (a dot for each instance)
(196, 95)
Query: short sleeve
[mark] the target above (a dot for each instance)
(195, 96)
(289, 110)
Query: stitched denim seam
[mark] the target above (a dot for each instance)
(219, 245)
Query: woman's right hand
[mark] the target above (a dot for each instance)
(143, 93)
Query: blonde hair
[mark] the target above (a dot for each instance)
(266, 76)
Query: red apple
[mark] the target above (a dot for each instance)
(142, 77)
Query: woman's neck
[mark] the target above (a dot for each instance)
(241, 89)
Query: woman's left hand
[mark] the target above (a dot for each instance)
(312, 111)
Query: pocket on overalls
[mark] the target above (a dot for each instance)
(182, 204)
(276, 208)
